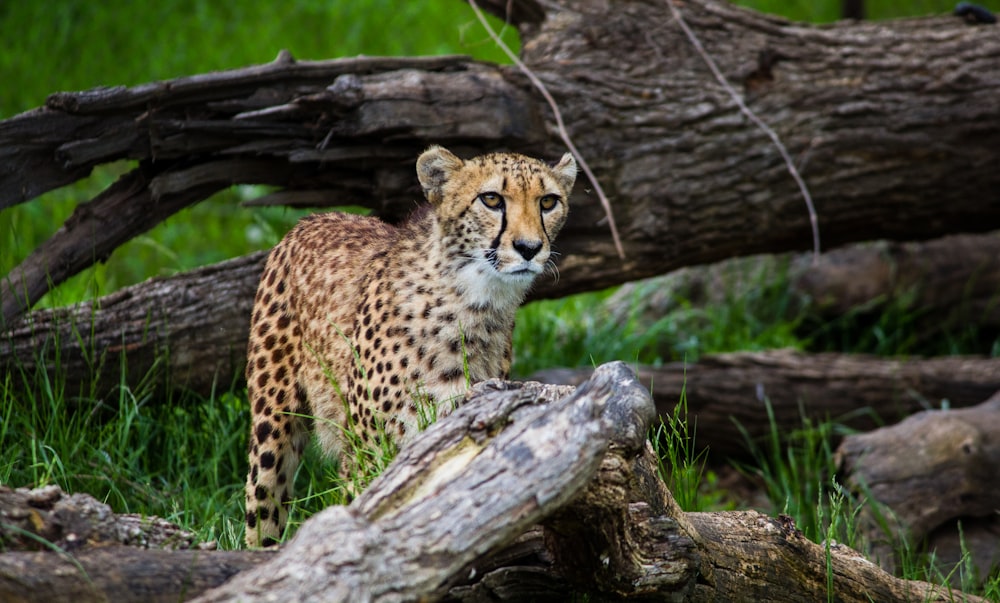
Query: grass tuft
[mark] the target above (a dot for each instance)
(175, 457)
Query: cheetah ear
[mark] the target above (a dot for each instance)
(434, 167)
(565, 172)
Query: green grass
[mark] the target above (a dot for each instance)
(795, 469)
(800, 479)
(582, 330)
(175, 458)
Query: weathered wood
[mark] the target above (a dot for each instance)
(394, 542)
(882, 116)
(757, 558)
(183, 332)
(728, 391)
(952, 281)
(926, 472)
(46, 517)
(101, 556)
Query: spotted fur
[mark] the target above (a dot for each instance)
(354, 318)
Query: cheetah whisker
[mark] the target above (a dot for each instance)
(551, 268)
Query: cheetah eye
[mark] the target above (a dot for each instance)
(491, 200)
(548, 202)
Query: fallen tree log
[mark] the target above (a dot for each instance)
(187, 332)
(947, 282)
(727, 392)
(48, 517)
(691, 180)
(71, 548)
(190, 332)
(452, 517)
(925, 475)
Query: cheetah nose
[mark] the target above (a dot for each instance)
(527, 249)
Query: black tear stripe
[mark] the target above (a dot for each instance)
(496, 241)
(545, 231)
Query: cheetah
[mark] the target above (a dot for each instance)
(355, 318)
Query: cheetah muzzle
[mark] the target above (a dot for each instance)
(354, 318)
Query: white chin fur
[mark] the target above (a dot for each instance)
(483, 285)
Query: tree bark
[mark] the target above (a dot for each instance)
(185, 332)
(946, 282)
(73, 549)
(452, 517)
(48, 517)
(893, 124)
(727, 392)
(924, 474)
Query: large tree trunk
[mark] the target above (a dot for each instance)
(894, 126)
(453, 516)
(924, 476)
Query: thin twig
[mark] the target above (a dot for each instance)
(559, 125)
(813, 219)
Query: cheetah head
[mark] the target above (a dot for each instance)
(500, 212)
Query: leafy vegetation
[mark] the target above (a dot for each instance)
(183, 458)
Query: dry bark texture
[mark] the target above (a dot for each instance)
(32, 518)
(726, 391)
(528, 492)
(926, 473)
(73, 549)
(184, 332)
(946, 282)
(894, 126)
